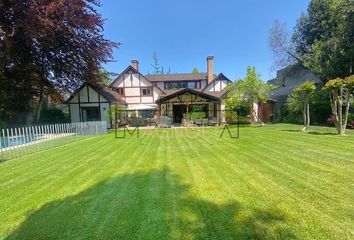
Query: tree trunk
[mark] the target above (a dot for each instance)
(38, 108)
(304, 115)
(347, 107)
(337, 111)
(255, 117)
(306, 112)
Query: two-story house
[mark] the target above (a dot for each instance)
(174, 95)
(287, 80)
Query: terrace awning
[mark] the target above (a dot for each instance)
(142, 107)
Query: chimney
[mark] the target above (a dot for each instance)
(135, 64)
(210, 68)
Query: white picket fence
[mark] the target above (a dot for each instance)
(17, 142)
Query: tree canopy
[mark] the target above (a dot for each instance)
(195, 70)
(48, 44)
(156, 67)
(322, 41)
(342, 91)
(249, 90)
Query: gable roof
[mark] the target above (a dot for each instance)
(176, 77)
(109, 94)
(129, 69)
(220, 77)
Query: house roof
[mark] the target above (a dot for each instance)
(178, 92)
(219, 94)
(221, 77)
(176, 77)
(109, 94)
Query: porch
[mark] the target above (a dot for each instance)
(188, 107)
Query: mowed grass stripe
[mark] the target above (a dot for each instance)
(272, 183)
(58, 183)
(120, 190)
(293, 181)
(41, 179)
(253, 154)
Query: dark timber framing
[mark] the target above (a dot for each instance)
(188, 90)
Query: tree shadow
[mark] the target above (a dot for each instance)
(322, 133)
(153, 205)
(309, 132)
(290, 130)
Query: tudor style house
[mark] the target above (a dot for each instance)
(178, 96)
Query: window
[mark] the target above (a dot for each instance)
(197, 84)
(120, 91)
(90, 114)
(146, 91)
(175, 85)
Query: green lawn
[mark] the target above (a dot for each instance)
(273, 183)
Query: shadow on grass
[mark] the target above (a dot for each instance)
(321, 133)
(152, 205)
(291, 130)
(310, 132)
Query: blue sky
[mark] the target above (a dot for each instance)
(184, 32)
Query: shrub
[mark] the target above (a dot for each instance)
(320, 107)
(53, 115)
(351, 120)
(3, 124)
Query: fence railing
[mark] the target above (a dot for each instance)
(17, 142)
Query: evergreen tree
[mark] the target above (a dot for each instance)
(156, 68)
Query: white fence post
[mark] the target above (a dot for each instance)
(17, 142)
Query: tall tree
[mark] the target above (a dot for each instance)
(156, 67)
(302, 95)
(252, 90)
(323, 42)
(104, 77)
(47, 44)
(195, 70)
(342, 91)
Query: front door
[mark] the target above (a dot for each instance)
(178, 111)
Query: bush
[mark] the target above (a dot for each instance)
(288, 114)
(3, 124)
(351, 120)
(320, 107)
(53, 115)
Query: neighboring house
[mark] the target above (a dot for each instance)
(287, 80)
(172, 95)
